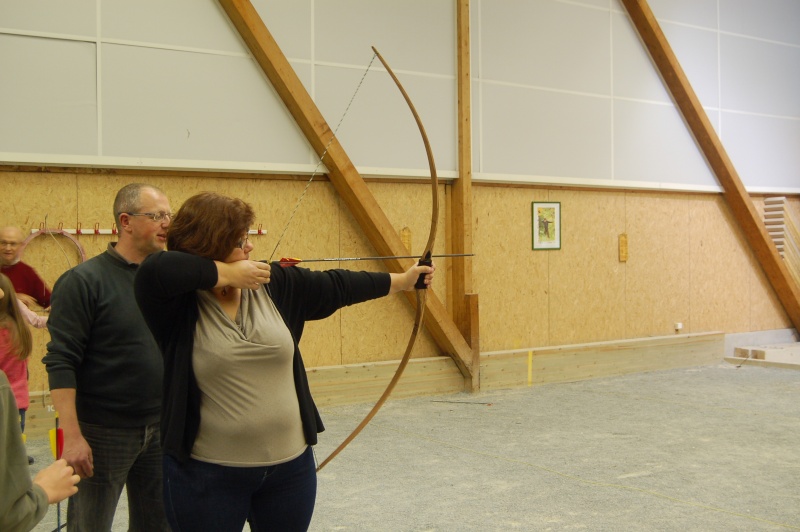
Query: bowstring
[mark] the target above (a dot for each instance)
(51, 235)
(322, 157)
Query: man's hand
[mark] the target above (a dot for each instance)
(58, 481)
(78, 454)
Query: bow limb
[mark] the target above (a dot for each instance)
(421, 294)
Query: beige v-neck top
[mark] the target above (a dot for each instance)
(249, 414)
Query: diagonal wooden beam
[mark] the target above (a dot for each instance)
(736, 195)
(343, 174)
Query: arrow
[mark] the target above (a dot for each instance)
(291, 261)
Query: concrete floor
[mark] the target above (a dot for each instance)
(709, 448)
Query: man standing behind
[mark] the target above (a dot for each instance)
(29, 286)
(105, 373)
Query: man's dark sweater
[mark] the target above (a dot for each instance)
(101, 346)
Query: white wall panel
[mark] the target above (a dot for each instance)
(604, 4)
(760, 77)
(562, 88)
(185, 23)
(379, 131)
(651, 143)
(181, 105)
(696, 50)
(545, 44)
(47, 96)
(635, 76)
(764, 150)
(415, 35)
(774, 20)
(291, 24)
(702, 13)
(528, 131)
(75, 18)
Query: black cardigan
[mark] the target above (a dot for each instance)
(165, 288)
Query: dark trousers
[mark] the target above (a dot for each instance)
(199, 496)
(129, 457)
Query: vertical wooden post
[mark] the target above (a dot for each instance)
(464, 303)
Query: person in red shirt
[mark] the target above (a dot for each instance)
(29, 286)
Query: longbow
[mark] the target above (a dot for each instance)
(421, 293)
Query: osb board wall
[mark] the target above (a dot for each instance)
(586, 277)
(688, 263)
(321, 227)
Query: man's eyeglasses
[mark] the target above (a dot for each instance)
(155, 216)
(242, 243)
(4, 243)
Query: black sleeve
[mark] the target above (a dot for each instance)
(313, 295)
(70, 326)
(162, 283)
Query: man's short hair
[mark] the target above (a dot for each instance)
(127, 199)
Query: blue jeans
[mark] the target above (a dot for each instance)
(129, 457)
(22, 419)
(199, 496)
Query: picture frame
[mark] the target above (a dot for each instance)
(546, 224)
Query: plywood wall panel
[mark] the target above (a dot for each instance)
(687, 260)
(657, 281)
(719, 268)
(510, 277)
(385, 324)
(31, 199)
(766, 311)
(587, 281)
(793, 206)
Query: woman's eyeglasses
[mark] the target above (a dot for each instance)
(242, 243)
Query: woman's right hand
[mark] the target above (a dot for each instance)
(242, 274)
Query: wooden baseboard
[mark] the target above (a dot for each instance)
(364, 383)
(569, 363)
(739, 361)
(359, 383)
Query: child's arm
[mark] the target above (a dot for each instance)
(40, 322)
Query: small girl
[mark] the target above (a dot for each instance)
(16, 343)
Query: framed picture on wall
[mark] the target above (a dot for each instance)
(546, 225)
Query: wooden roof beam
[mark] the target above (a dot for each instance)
(342, 173)
(736, 195)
